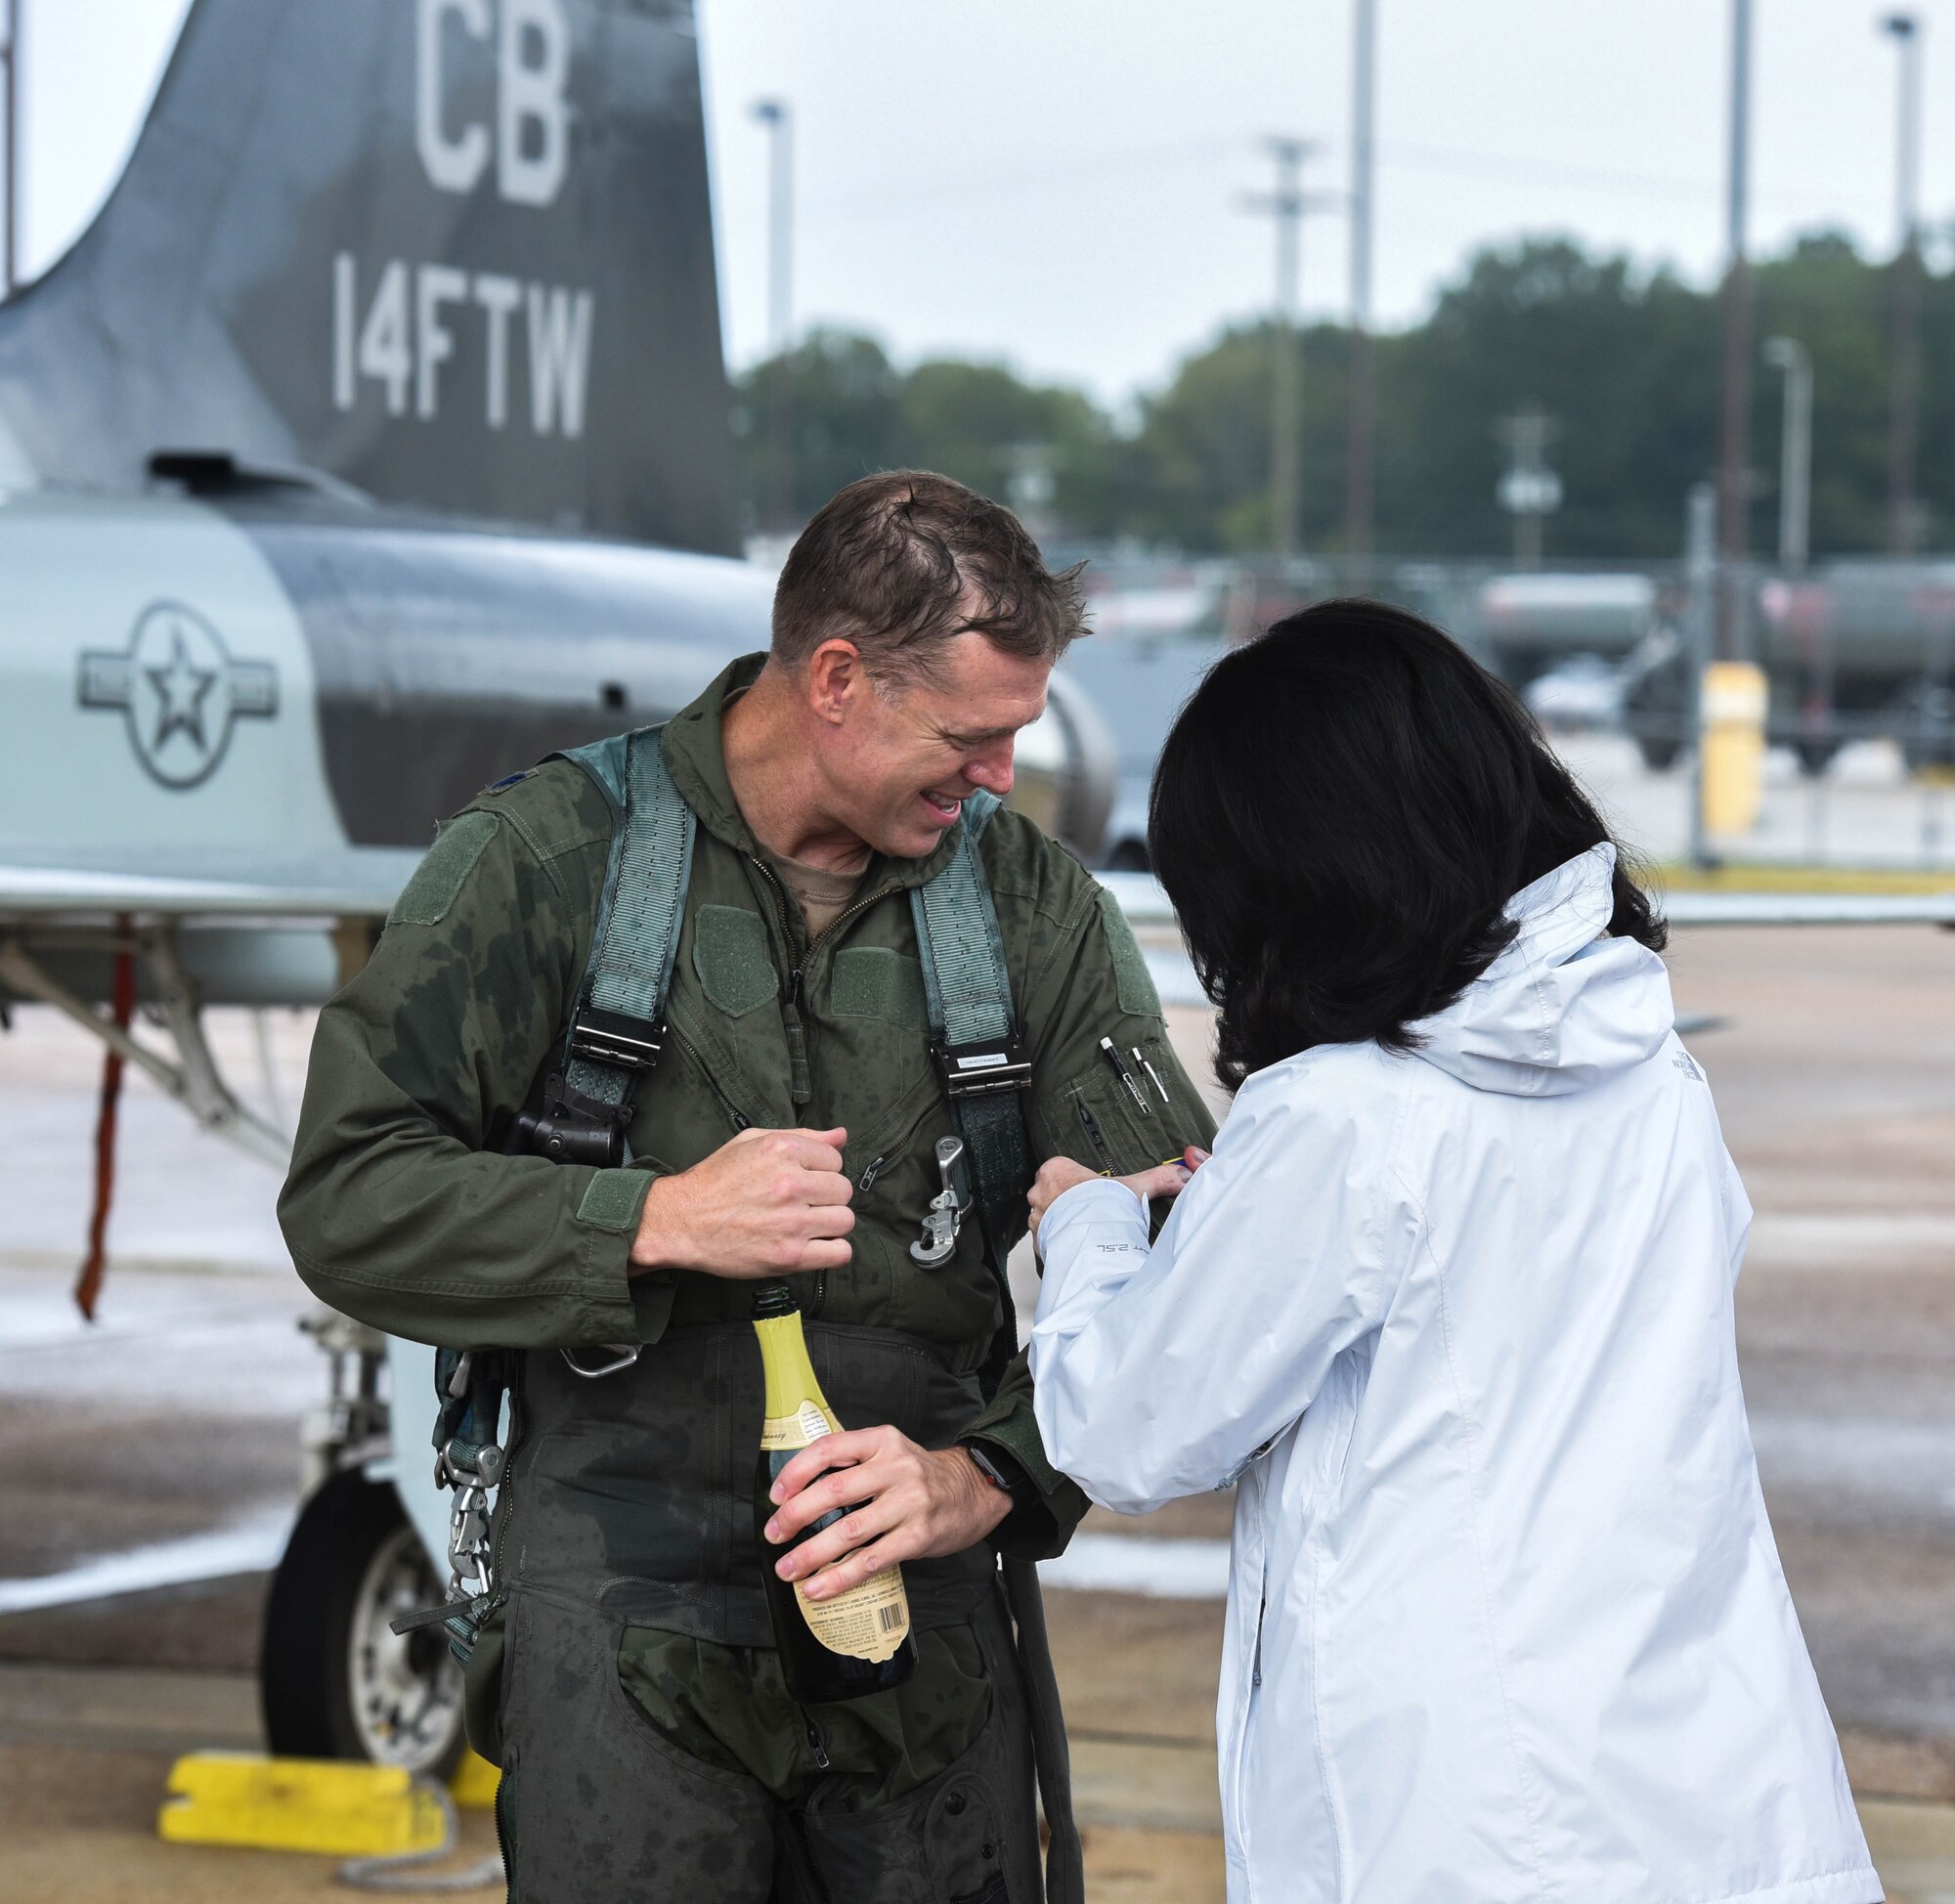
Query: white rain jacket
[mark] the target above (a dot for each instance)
(1505, 1618)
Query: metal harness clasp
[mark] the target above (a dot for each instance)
(945, 1216)
(472, 1473)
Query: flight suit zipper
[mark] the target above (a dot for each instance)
(735, 1115)
(798, 984)
(1097, 1138)
(798, 1056)
(790, 911)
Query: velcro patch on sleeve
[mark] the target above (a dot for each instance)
(426, 897)
(613, 1199)
(875, 981)
(731, 956)
(1136, 984)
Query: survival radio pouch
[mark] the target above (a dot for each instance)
(612, 1045)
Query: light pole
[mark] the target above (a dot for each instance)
(9, 154)
(1530, 492)
(778, 118)
(1794, 482)
(1700, 568)
(1733, 471)
(1905, 366)
(1362, 399)
(1288, 204)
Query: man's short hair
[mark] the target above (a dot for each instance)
(893, 562)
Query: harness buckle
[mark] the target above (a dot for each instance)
(616, 1039)
(568, 1127)
(976, 1070)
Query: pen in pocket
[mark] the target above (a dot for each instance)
(1126, 1077)
(1139, 1059)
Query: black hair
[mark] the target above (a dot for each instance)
(1340, 815)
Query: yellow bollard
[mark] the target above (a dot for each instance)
(1733, 739)
(299, 1804)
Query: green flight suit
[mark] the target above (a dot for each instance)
(400, 1211)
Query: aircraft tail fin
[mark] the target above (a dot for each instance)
(457, 253)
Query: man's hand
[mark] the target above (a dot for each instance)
(1058, 1175)
(768, 1203)
(904, 1502)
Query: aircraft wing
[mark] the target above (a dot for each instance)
(339, 883)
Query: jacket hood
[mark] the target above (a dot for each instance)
(1563, 1008)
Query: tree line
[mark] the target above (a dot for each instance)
(1623, 361)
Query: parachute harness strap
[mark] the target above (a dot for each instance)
(618, 1029)
(973, 1033)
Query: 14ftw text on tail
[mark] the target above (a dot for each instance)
(395, 321)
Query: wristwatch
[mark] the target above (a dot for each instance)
(1003, 1473)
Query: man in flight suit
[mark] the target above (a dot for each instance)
(627, 1682)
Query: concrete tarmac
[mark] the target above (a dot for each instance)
(175, 1419)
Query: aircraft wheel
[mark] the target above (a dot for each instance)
(1659, 753)
(334, 1682)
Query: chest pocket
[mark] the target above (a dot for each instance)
(1104, 1124)
(734, 961)
(874, 982)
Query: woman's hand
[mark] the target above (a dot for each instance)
(1058, 1175)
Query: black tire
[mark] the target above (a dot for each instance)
(332, 1681)
(1659, 754)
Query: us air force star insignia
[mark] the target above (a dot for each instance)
(179, 692)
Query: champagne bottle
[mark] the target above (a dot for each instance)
(858, 1642)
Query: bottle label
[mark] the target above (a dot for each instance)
(867, 1622)
(783, 1432)
(871, 1621)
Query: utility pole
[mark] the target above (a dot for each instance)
(1362, 401)
(1905, 363)
(9, 154)
(1734, 457)
(1288, 204)
(1794, 482)
(778, 118)
(1530, 492)
(1700, 568)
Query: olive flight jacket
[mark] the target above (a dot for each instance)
(399, 1213)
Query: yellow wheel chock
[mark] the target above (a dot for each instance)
(474, 1786)
(335, 1806)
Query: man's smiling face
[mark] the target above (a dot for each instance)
(909, 751)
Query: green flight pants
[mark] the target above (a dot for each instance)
(599, 1805)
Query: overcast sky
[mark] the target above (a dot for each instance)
(1060, 184)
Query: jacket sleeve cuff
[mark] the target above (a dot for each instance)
(621, 1307)
(1104, 1207)
(1041, 1528)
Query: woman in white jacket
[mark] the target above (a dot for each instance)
(1451, 1305)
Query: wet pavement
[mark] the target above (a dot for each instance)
(175, 1420)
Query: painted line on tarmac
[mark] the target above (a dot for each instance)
(250, 1547)
(1123, 1563)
